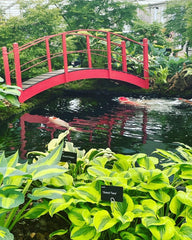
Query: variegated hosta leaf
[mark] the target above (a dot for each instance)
(56, 141)
(123, 162)
(3, 162)
(12, 160)
(123, 211)
(43, 172)
(150, 207)
(98, 171)
(176, 206)
(88, 194)
(9, 172)
(154, 179)
(80, 216)
(5, 234)
(143, 232)
(169, 155)
(45, 192)
(160, 195)
(10, 197)
(82, 233)
(51, 159)
(162, 228)
(60, 181)
(60, 204)
(103, 221)
(147, 162)
(37, 210)
(59, 232)
(186, 170)
(184, 232)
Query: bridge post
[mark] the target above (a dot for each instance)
(146, 61)
(6, 66)
(109, 53)
(48, 54)
(124, 59)
(17, 65)
(65, 61)
(89, 52)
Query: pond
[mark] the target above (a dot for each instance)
(102, 121)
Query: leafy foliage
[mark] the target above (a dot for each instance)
(8, 94)
(153, 206)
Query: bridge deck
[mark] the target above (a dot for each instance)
(32, 81)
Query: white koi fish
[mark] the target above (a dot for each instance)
(60, 122)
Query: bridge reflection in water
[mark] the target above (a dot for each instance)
(105, 123)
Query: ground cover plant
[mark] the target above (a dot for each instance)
(157, 195)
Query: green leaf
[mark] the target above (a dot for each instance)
(60, 181)
(98, 171)
(169, 155)
(176, 206)
(80, 216)
(57, 205)
(82, 233)
(5, 234)
(43, 172)
(147, 162)
(51, 159)
(123, 210)
(37, 211)
(160, 195)
(59, 232)
(10, 197)
(88, 194)
(13, 100)
(103, 221)
(162, 228)
(186, 170)
(12, 160)
(3, 162)
(45, 192)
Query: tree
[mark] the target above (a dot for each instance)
(89, 14)
(177, 22)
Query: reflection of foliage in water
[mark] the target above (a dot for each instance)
(9, 137)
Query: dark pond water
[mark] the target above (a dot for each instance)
(102, 122)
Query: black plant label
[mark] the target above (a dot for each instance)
(69, 157)
(111, 193)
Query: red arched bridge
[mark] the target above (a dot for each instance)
(50, 61)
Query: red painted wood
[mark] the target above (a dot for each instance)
(146, 61)
(109, 53)
(17, 65)
(89, 52)
(124, 58)
(65, 61)
(80, 75)
(6, 66)
(48, 54)
(69, 75)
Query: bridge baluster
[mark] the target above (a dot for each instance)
(48, 54)
(145, 60)
(17, 65)
(6, 66)
(124, 59)
(89, 52)
(65, 61)
(109, 53)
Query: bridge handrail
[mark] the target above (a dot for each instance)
(81, 32)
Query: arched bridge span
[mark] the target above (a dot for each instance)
(50, 61)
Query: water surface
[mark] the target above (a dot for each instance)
(102, 122)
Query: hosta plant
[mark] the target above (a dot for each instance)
(152, 207)
(17, 181)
